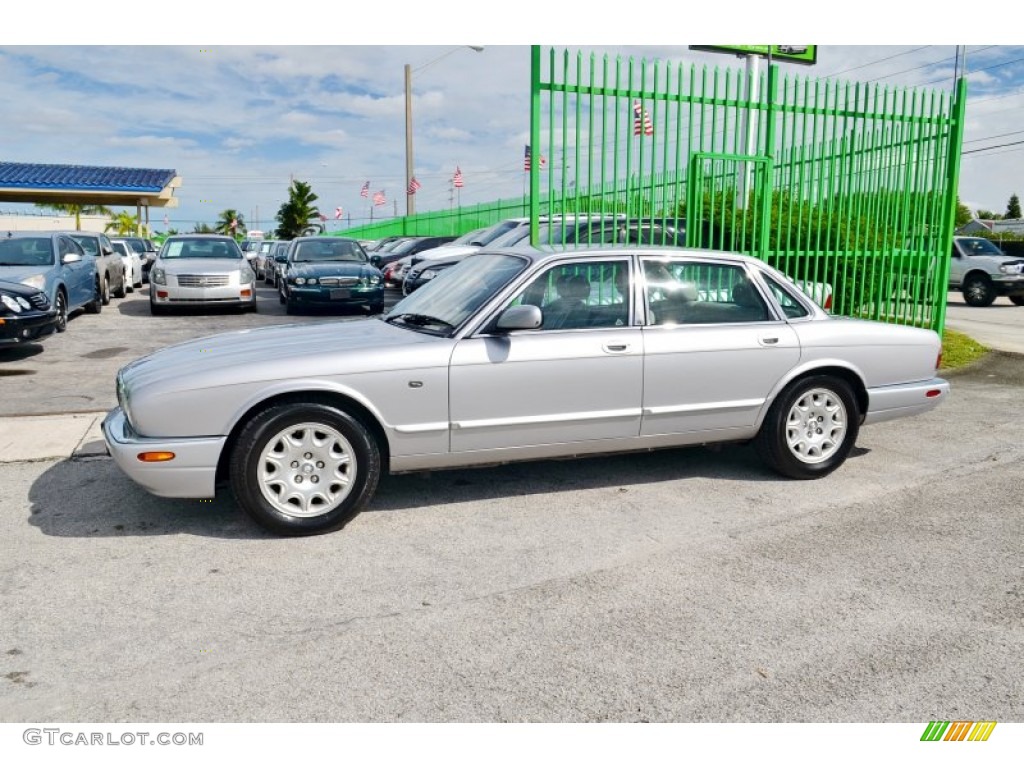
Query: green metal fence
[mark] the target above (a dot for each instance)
(847, 184)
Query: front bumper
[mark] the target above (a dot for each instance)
(26, 327)
(899, 400)
(191, 474)
(342, 297)
(221, 296)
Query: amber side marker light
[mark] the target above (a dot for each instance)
(155, 456)
(246, 292)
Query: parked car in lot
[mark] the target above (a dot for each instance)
(201, 271)
(52, 262)
(278, 256)
(25, 314)
(147, 254)
(131, 260)
(408, 247)
(982, 272)
(110, 270)
(326, 272)
(517, 355)
(264, 255)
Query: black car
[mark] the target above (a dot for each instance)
(408, 248)
(329, 272)
(25, 314)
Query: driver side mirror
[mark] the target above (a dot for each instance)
(70, 258)
(525, 317)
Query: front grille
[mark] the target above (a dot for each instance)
(339, 280)
(39, 301)
(204, 281)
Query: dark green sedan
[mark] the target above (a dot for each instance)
(330, 272)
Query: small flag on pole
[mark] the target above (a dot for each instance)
(365, 191)
(322, 217)
(234, 224)
(642, 124)
(526, 159)
(457, 178)
(338, 212)
(413, 186)
(379, 199)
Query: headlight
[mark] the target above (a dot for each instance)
(372, 280)
(36, 281)
(246, 276)
(429, 274)
(122, 399)
(1010, 269)
(158, 276)
(10, 302)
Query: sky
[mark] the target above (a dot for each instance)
(239, 119)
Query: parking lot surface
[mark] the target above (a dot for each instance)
(683, 585)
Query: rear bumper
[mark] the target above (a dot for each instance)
(191, 474)
(897, 401)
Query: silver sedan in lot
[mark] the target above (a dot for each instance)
(201, 271)
(511, 355)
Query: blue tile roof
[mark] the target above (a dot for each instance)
(84, 177)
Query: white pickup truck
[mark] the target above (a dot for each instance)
(982, 272)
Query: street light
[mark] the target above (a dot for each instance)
(410, 205)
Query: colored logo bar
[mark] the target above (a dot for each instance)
(960, 730)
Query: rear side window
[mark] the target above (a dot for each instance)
(791, 307)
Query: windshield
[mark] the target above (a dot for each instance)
(89, 244)
(26, 252)
(200, 248)
(322, 249)
(136, 243)
(974, 246)
(457, 293)
(120, 248)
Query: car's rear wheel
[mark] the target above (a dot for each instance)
(1018, 300)
(95, 306)
(810, 428)
(62, 312)
(304, 468)
(105, 290)
(978, 291)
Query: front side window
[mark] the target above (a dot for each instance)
(590, 294)
(700, 293)
(791, 307)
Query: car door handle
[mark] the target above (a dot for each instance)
(770, 340)
(615, 348)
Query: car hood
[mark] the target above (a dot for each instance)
(17, 288)
(202, 266)
(275, 352)
(332, 269)
(17, 274)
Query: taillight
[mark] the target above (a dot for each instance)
(938, 361)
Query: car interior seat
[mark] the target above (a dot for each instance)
(569, 310)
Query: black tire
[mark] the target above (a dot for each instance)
(62, 312)
(281, 298)
(156, 309)
(290, 309)
(803, 410)
(377, 308)
(303, 438)
(95, 306)
(121, 292)
(105, 290)
(978, 291)
(1018, 300)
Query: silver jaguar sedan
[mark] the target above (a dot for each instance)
(201, 271)
(511, 355)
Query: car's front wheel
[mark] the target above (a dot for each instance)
(304, 468)
(810, 428)
(62, 312)
(1018, 300)
(978, 291)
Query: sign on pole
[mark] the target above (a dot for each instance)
(798, 54)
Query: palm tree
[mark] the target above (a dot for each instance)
(76, 210)
(203, 229)
(122, 223)
(297, 214)
(231, 223)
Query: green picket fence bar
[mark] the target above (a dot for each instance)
(843, 183)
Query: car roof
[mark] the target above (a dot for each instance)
(545, 253)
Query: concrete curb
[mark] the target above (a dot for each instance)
(38, 438)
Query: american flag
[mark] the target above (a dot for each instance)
(338, 212)
(413, 186)
(379, 199)
(642, 124)
(526, 159)
(457, 178)
(365, 191)
(234, 224)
